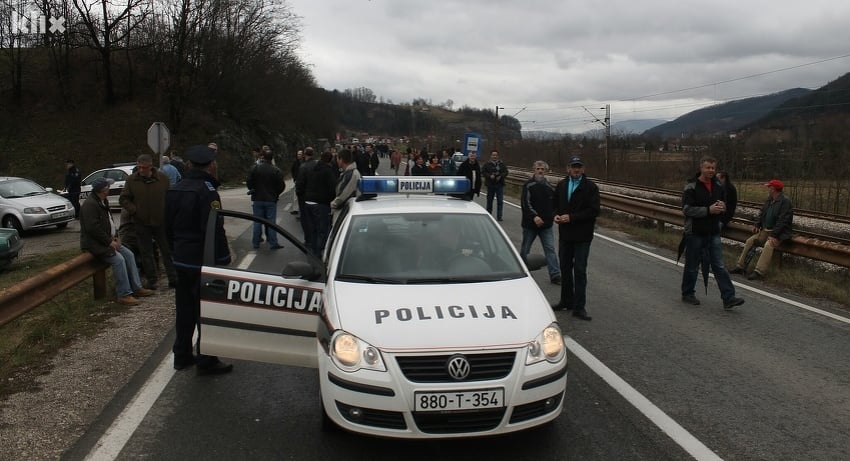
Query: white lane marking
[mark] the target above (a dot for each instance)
(246, 261)
(114, 439)
(737, 284)
(670, 427)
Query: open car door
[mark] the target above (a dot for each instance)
(265, 304)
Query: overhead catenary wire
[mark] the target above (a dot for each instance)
(571, 122)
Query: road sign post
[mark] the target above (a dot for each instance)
(159, 138)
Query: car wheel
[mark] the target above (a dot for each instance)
(12, 222)
(62, 225)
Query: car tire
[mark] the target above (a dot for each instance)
(12, 222)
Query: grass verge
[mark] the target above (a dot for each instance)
(29, 342)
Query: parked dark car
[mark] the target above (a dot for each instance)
(10, 246)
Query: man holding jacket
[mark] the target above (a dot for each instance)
(576, 203)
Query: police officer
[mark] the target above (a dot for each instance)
(187, 207)
(73, 184)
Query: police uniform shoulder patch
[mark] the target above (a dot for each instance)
(216, 205)
(209, 185)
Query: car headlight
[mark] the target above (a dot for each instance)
(350, 353)
(34, 210)
(548, 345)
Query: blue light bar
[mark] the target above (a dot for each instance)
(413, 185)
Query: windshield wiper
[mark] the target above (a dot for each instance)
(369, 279)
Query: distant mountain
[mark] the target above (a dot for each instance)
(722, 118)
(635, 126)
(541, 135)
(827, 101)
(625, 127)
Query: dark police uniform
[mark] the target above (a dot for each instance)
(187, 208)
(73, 186)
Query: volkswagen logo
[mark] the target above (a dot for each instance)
(458, 367)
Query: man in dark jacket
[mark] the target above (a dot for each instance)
(576, 204)
(265, 184)
(494, 173)
(98, 236)
(187, 209)
(538, 214)
(319, 192)
(374, 161)
(143, 197)
(472, 170)
(703, 207)
(730, 198)
(773, 228)
(300, 190)
(73, 184)
(362, 159)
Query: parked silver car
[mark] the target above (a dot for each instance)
(25, 205)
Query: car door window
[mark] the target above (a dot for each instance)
(93, 177)
(117, 175)
(285, 261)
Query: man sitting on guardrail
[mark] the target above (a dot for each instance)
(98, 235)
(772, 228)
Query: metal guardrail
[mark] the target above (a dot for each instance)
(34, 291)
(819, 250)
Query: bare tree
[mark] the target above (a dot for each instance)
(105, 26)
(16, 41)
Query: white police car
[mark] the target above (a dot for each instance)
(423, 322)
(118, 172)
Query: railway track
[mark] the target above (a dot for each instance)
(807, 223)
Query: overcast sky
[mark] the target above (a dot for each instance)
(647, 59)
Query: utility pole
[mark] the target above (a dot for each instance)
(496, 141)
(607, 124)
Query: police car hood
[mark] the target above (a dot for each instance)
(463, 315)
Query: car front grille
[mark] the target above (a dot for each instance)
(433, 368)
(56, 208)
(459, 422)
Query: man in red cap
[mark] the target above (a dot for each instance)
(772, 228)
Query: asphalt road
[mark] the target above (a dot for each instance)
(769, 380)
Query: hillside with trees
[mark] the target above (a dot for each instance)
(213, 71)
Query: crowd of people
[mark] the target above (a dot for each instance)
(165, 210)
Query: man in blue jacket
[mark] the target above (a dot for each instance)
(576, 203)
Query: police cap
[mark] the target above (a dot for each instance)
(200, 155)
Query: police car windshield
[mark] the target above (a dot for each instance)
(426, 248)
